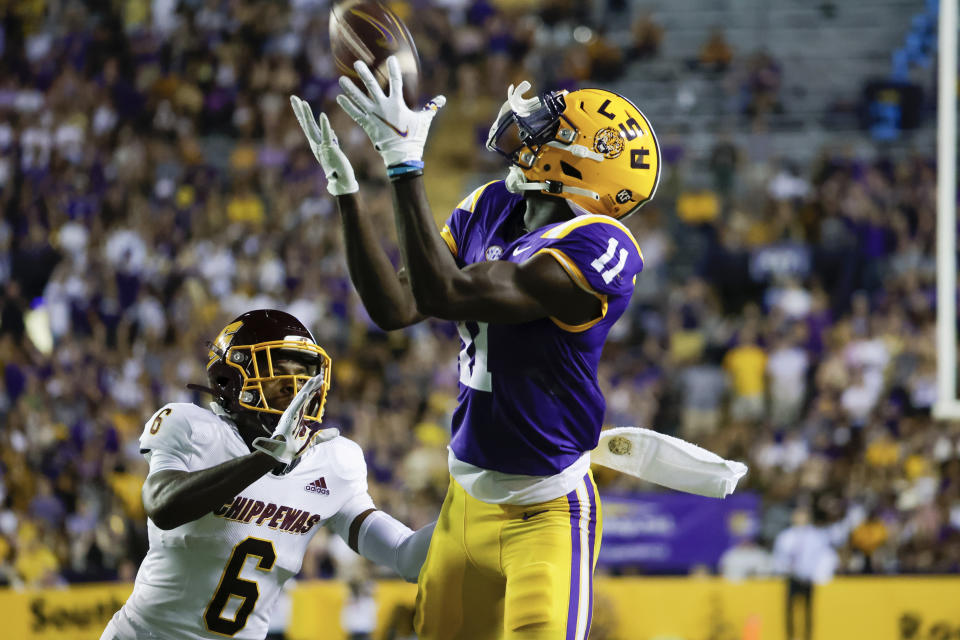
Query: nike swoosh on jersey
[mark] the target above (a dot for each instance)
(402, 134)
(529, 514)
(519, 250)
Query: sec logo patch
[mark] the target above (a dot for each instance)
(494, 252)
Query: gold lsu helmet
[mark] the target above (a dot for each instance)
(591, 146)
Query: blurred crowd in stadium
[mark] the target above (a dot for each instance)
(154, 184)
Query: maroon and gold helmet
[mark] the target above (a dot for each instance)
(242, 358)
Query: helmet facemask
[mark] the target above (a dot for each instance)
(257, 364)
(519, 138)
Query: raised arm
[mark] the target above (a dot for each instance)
(496, 291)
(386, 297)
(173, 494)
(172, 497)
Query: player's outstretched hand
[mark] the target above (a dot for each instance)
(293, 435)
(326, 148)
(397, 132)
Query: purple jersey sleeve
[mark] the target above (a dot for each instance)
(598, 252)
(454, 230)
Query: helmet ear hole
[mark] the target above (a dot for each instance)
(223, 381)
(570, 170)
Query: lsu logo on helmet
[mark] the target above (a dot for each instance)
(608, 143)
(591, 146)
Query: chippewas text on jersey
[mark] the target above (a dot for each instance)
(281, 517)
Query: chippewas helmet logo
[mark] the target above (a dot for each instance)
(222, 343)
(608, 143)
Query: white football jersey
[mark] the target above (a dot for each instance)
(221, 574)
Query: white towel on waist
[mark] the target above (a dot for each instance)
(667, 461)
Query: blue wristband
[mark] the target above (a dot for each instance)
(404, 168)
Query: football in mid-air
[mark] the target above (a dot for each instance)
(369, 31)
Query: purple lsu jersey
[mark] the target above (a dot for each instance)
(529, 400)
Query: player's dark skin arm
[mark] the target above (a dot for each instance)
(385, 295)
(172, 498)
(493, 291)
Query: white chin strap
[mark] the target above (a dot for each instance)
(577, 150)
(516, 182)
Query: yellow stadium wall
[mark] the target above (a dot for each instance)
(626, 609)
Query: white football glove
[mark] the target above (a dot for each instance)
(326, 149)
(397, 132)
(292, 437)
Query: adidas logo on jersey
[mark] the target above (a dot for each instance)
(318, 486)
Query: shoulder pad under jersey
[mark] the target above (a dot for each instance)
(598, 252)
(347, 458)
(179, 427)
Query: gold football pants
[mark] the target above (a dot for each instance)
(511, 572)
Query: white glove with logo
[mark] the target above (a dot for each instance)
(397, 132)
(326, 149)
(292, 437)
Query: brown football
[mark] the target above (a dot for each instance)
(369, 31)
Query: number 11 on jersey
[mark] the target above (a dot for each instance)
(473, 356)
